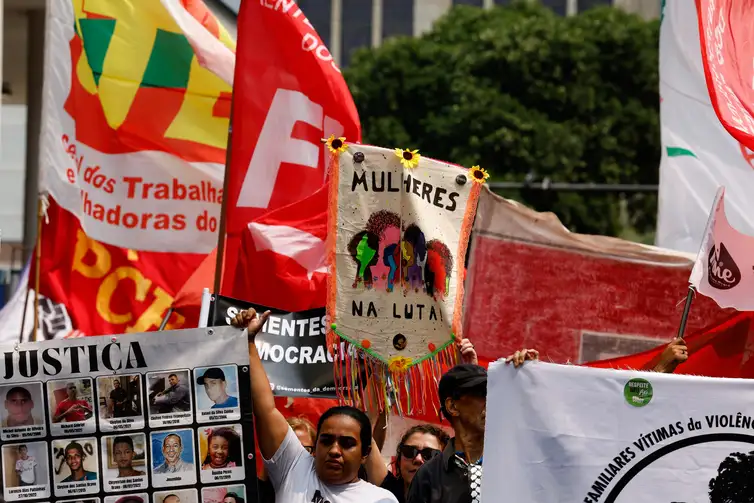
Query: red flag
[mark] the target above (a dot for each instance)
(288, 95)
(282, 260)
(725, 28)
(721, 350)
(107, 289)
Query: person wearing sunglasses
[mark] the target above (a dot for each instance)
(418, 445)
(455, 476)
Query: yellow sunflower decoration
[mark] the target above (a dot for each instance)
(409, 158)
(479, 175)
(336, 145)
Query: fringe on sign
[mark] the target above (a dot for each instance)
(365, 381)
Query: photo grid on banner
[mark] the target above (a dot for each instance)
(138, 418)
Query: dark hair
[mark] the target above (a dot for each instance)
(23, 446)
(123, 440)
(171, 495)
(733, 481)
(235, 497)
(437, 432)
(180, 440)
(234, 445)
(176, 376)
(365, 434)
(18, 389)
(76, 446)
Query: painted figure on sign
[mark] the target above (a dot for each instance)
(415, 254)
(363, 249)
(438, 269)
(387, 226)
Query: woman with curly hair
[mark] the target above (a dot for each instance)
(223, 449)
(417, 446)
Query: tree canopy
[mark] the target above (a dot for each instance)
(522, 91)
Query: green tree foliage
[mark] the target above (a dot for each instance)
(520, 90)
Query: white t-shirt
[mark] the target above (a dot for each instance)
(25, 467)
(292, 474)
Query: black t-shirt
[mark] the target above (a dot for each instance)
(120, 395)
(395, 486)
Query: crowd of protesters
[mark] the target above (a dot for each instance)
(340, 461)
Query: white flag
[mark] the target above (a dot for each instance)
(724, 267)
(571, 434)
(698, 154)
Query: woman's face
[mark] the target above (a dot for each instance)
(218, 451)
(409, 467)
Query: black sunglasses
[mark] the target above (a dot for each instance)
(410, 452)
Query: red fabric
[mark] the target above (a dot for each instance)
(274, 279)
(105, 289)
(190, 294)
(554, 298)
(288, 95)
(726, 28)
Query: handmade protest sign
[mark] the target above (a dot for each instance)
(569, 433)
(114, 416)
(399, 227)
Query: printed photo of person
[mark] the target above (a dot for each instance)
(25, 465)
(224, 494)
(93, 500)
(169, 392)
(220, 449)
(71, 402)
(120, 401)
(124, 455)
(172, 455)
(182, 496)
(128, 498)
(217, 387)
(23, 406)
(75, 460)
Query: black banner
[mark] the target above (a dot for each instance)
(292, 347)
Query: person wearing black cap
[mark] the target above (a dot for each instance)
(456, 475)
(216, 388)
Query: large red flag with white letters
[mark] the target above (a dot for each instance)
(288, 95)
(282, 260)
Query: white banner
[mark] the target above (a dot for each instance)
(698, 154)
(97, 417)
(567, 434)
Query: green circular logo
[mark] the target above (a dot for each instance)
(638, 392)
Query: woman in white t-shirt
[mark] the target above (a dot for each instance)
(344, 440)
(26, 467)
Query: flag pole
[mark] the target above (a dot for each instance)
(224, 207)
(686, 309)
(40, 215)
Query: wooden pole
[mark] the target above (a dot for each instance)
(40, 216)
(224, 207)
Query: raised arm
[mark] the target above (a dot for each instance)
(375, 465)
(271, 426)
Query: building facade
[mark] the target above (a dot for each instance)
(347, 25)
